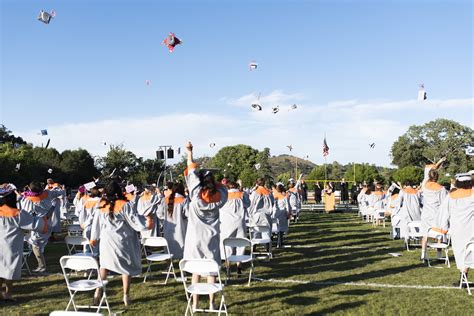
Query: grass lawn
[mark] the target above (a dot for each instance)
(334, 264)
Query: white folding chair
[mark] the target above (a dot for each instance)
(163, 255)
(74, 230)
(66, 313)
(443, 241)
(413, 234)
(378, 216)
(72, 244)
(236, 243)
(203, 267)
(395, 222)
(26, 254)
(83, 285)
(260, 236)
(468, 263)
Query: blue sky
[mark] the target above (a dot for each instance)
(83, 75)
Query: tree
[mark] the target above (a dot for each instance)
(77, 167)
(427, 143)
(6, 136)
(363, 172)
(409, 173)
(232, 160)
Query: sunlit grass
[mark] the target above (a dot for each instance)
(323, 252)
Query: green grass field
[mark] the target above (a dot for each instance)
(335, 264)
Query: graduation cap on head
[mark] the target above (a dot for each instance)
(44, 132)
(463, 177)
(130, 188)
(90, 185)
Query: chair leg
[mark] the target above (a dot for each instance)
(174, 273)
(147, 271)
(447, 258)
(169, 271)
(188, 307)
(250, 272)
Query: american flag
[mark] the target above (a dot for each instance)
(325, 148)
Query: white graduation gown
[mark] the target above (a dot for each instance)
(119, 245)
(175, 225)
(147, 206)
(261, 207)
(410, 209)
(12, 224)
(432, 195)
(282, 210)
(457, 216)
(232, 219)
(202, 234)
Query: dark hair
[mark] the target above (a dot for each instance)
(113, 192)
(408, 183)
(463, 184)
(433, 175)
(261, 182)
(207, 181)
(232, 185)
(176, 188)
(36, 187)
(395, 191)
(9, 200)
(94, 192)
(280, 188)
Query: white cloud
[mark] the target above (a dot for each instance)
(349, 127)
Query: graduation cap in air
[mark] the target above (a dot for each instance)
(275, 109)
(293, 107)
(290, 147)
(470, 151)
(256, 106)
(126, 169)
(44, 132)
(257, 166)
(47, 144)
(253, 65)
(171, 41)
(422, 93)
(212, 145)
(50, 171)
(46, 17)
(112, 173)
(372, 145)
(147, 82)
(17, 167)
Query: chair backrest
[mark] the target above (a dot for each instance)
(155, 242)
(199, 266)
(76, 240)
(74, 229)
(237, 242)
(78, 263)
(260, 229)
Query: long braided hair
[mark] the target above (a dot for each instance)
(176, 188)
(113, 192)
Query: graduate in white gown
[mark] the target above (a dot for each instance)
(86, 210)
(39, 203)
(115, 228)
(294, 197)
(410, 209)
(281, 211)
(57, 203)
(147, 206)
(432, 196)
(12, 223)
(175, 220)
(232, 219)
(261, 206)
(456, 215)
(202, 234)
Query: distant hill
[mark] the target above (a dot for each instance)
(286, 163)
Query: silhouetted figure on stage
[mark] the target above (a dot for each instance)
(317, 193)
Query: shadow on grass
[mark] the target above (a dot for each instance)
(338, 308)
